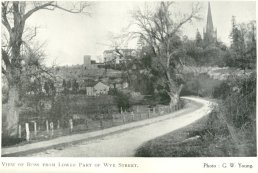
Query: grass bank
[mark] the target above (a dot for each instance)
(199, 139)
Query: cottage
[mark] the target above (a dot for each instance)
(90, 91)
(88, 85)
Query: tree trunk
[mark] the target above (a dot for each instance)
(13, 77)
(12, 117)
(174, 97)
(174, 90)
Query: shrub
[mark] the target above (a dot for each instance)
(238, 109)
(221, 91)
(122, 100)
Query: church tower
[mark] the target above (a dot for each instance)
(210, 35)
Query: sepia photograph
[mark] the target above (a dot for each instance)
(172, 79)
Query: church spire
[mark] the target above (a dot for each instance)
(209, 26)
(210, 35)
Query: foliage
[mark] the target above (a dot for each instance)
(205, 55)
(198, 39)
(65, 106)
(201, 85)
(230, 130)
(222, 91)
(122, 100)
(237, 112)
(71, 87)
(242, 52)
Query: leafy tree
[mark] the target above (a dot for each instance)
(47, 88)
(198, 39)
(75, 86)
(122, 100)
(69, 84)
(242, 53)
(64, 84)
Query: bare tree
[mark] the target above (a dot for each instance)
(159, 28)
(14, 17)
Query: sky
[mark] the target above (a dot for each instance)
(68, 37)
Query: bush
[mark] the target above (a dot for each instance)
(201, 85)
(221, 91)
(8, 141)
(122, 100)
(238, 109)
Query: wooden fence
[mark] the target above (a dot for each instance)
(45, 129)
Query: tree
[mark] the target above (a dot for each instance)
(47, 87)
(160, 30)
(69, 85)
(75, 86)
(198, 39)
(64, 85)
(242, 53)
(14, 17)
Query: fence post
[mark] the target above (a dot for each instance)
(35, 128)
(27, 129)
(112, 120)
(149, 113)
(137, 109)
(132, 115)
(19, 131)
(153, 111)
(123, 117)
(47, 129)
(101, 123)
(58, 124)
(71, 124)
(52, 128)
(86, 123)
(158, 111)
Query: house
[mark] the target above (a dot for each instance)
(100, 89)
(89, 84)
(113, 56)
(90, 91)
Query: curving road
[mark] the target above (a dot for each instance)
(124, 144)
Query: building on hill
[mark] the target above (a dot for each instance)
(94, 88)
(210, 34)
(88, 63)
(87, 86)
(117, 55)
(90, 70)
(86, 60)
(90, 88)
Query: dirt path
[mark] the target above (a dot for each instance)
(124, 144)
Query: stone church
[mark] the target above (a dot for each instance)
(210, 33)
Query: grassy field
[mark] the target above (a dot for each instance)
(195, 140)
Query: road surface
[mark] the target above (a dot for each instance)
(124, 144)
